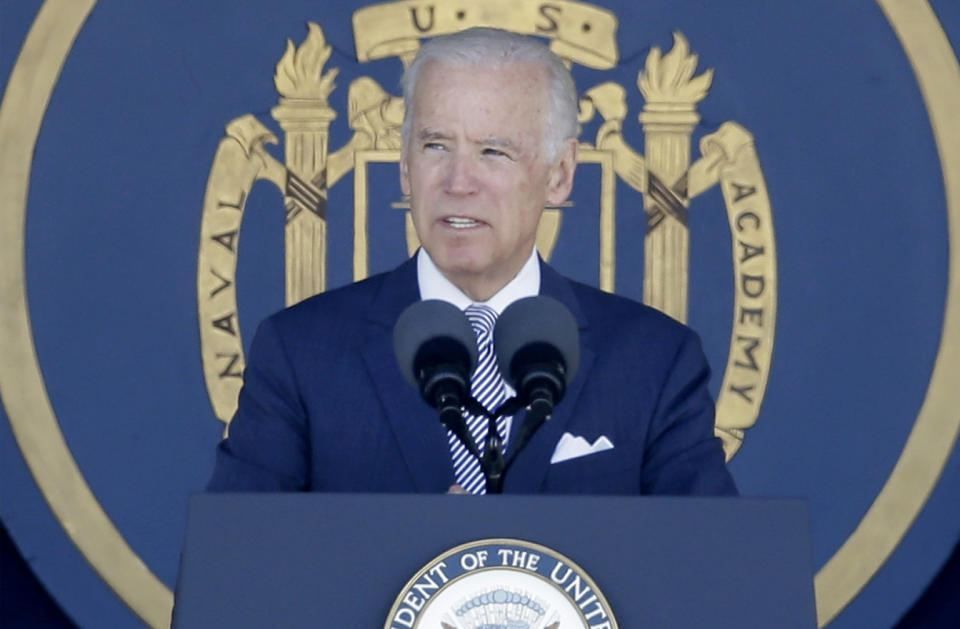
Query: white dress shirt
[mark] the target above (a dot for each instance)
(433, 285)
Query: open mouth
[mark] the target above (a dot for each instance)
(461, 222)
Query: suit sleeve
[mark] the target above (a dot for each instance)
(683, 457)
(267, 446)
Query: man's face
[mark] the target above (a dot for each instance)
(475, 170)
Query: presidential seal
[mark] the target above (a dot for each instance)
(501, 584)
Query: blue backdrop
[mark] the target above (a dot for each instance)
(112, 234)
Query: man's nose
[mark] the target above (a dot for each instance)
(461, 175)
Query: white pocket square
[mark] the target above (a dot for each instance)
(570, 447)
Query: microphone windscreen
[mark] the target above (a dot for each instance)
(537, 320)
(435, 327)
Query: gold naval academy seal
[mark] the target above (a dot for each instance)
(48, 456)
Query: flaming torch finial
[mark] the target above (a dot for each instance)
(299, 72)
(668, 79)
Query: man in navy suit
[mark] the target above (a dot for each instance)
(489, 141)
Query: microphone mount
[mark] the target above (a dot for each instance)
(536, 340)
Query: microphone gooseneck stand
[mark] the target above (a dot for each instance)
(493, 463)
(436, 350)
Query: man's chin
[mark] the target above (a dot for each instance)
(466, 272)
(460, 260)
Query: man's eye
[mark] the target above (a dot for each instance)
(494, 152)
(435, 146)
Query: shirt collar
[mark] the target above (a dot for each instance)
(433, 284)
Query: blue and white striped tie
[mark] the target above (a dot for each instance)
(486, 385)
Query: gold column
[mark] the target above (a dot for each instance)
(667, 246)
(668, 118)
(306, 127)
(305, 116)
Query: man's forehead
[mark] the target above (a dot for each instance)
(521, 80)
(445, 108)
(428, 133)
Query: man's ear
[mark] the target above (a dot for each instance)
(404, 174)
(560, 178)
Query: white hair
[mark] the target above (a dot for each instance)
(492, 48)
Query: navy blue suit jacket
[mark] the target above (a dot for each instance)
(325, 408)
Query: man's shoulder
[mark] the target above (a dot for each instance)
(351, 298)
(346, 307)
(617, 314)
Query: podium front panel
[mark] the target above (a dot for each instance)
(340, 560)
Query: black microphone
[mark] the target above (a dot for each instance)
(436, 351)
(537, 342)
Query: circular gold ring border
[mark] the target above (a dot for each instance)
(48, 456)
(935, 430)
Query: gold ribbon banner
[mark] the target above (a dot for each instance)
(579, 32)
(734, 159)
(239, 162)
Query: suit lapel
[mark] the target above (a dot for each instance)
(530, 468)
(421, 437)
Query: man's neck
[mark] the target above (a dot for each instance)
(434, 284)
(477, 289)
